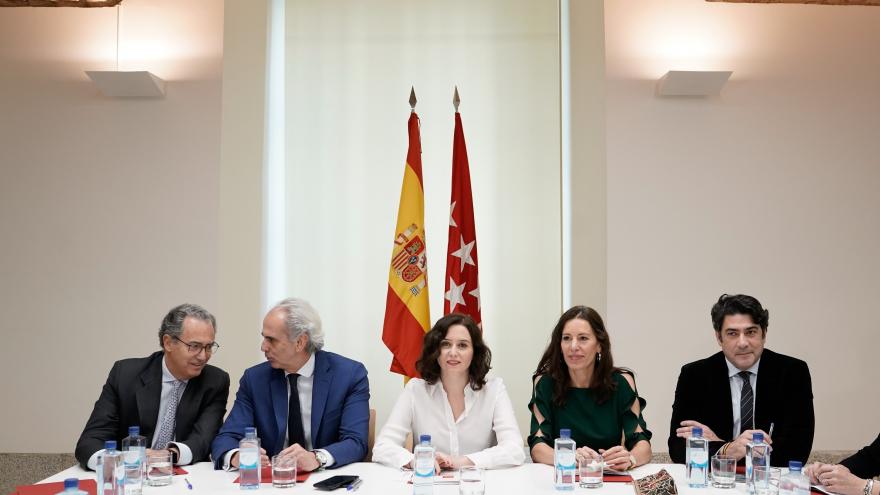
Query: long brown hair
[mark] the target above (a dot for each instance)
(481, 363)
(553, 363)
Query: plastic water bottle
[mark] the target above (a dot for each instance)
(697, 460)
(795, 482)
(249, 460)
(134, 458)
(71, 487)
(109, 470)
(423, 479)
(565, 460)
(757, 454)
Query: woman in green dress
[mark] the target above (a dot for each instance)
(576, 386)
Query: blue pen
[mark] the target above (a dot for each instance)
(188, 484)
(354, 485)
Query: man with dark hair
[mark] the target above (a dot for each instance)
(744, 389)
(305, 402)
(176, 398)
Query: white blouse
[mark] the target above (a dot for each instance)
(486, 432)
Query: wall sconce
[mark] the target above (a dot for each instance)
(127, 84)
(692, 82)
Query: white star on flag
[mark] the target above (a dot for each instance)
(464, 253)
(455, 295)
(476, 294)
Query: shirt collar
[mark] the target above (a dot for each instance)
(733, 371)
(307, 369)
(167, 376)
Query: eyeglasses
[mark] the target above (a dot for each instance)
(194, 347)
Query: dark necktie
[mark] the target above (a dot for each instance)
(294, 417)
(746, 403)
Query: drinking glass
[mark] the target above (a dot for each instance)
(159, 468)
(590, 471)
(761, 480)
(723, 471)
(283, 471)
(471, 481)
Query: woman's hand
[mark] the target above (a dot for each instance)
(618, 458)
(586, 453)
(446, 461)
(838, 479)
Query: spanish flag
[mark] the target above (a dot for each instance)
(407, 315)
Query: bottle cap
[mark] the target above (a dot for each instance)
(757, 437)
(565, 433)
(696, 431)
(110, 445)
(795, 466)
(134, 431)
(424, 438)
(71, 483)
(250, 431)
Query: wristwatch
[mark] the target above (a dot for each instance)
(322, 459)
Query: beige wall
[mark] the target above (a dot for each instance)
(108, 208)
(769, 190)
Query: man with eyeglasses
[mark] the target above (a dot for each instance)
(176, 398)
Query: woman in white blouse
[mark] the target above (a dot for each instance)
(470, 419)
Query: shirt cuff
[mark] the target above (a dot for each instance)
(93, 460)
(330, 459)
(228, 457)
(186, 454)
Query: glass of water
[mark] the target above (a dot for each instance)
(283, 471)
(159, 468)
(761, 479)
(471, 481)
(590, 471)
(723, 471)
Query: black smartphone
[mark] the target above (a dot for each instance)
(335, 482)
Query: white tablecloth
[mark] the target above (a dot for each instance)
(381, 480)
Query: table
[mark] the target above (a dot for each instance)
(382, 480)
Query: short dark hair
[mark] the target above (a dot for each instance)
(172, 324)
(739, 304)
(553, 363)
(481, 362)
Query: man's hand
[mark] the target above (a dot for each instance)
(737, 447)
(264, 459)
(837, 478)
(306, 460)
(687, 428)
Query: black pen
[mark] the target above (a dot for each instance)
(354, 485)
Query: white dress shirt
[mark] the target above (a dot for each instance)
(486, 432)
(167, 388)
(304, 385)
(736, 386)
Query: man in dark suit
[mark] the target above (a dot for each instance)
(176, 398)
(304, 402)
(744, 389)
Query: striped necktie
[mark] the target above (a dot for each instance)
(746, 403)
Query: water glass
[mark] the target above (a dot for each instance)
(283, 471)
(590, 471)
(723, 471)
(159, 468)
(761, 480)
(471, 481)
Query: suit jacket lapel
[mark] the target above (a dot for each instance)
(148, 395)
(187, 407)
(723, 400)
(320, 390)
(764, 385)
(280, 404)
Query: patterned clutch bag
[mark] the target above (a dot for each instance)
(656, 484)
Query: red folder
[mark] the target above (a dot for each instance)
(266, 475)
(179, 470)
(52, 488)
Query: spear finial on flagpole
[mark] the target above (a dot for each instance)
(412, 98)
(455, 99)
